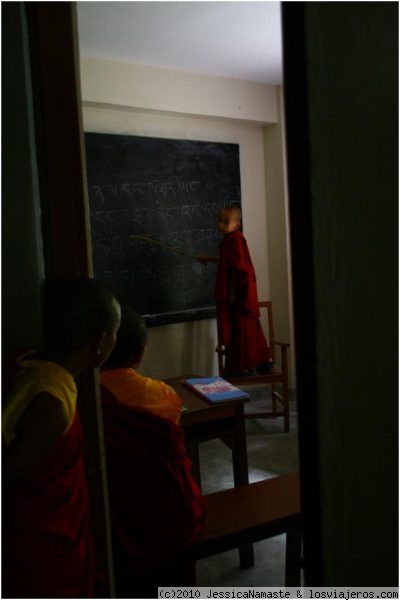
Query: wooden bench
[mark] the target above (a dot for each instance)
(254, 512)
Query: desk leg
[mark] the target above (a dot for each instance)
(241, 477)
(293, 557)
(239, 451)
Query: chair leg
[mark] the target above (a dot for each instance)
(246, 556)
(274, 404)
(285, 397)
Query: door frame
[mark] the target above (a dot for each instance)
(54, 57)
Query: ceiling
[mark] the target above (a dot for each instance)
(231, 39)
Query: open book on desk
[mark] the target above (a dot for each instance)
(214, 389)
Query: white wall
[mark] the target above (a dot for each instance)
(177, 92)
(277, 233)
(107, 89)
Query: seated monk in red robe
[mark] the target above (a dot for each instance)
(156, 506)
(238, 322)
(47, 547)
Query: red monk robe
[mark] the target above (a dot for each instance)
(47, 549)
(239, 328)
(156, 506)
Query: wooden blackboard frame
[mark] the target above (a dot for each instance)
(154, 204)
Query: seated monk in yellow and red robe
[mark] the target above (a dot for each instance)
(47, 546)
(156, 505)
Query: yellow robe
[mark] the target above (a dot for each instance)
(137, 391)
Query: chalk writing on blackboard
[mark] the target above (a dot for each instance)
(170, 248)
(168, 191)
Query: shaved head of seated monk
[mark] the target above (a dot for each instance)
(82, 320)
(131, 341)
(120, 377)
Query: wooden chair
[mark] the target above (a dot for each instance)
(277, 378)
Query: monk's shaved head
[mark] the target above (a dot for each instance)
(233, 211)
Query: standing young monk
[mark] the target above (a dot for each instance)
(47, 548)
(239, 328)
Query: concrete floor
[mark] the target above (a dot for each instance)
(270, 452)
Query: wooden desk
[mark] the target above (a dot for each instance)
(202, 421)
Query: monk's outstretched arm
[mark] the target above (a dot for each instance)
(204, 258)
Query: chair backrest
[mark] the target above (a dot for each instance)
(267, 323)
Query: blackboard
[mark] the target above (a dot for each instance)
(169, 191)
